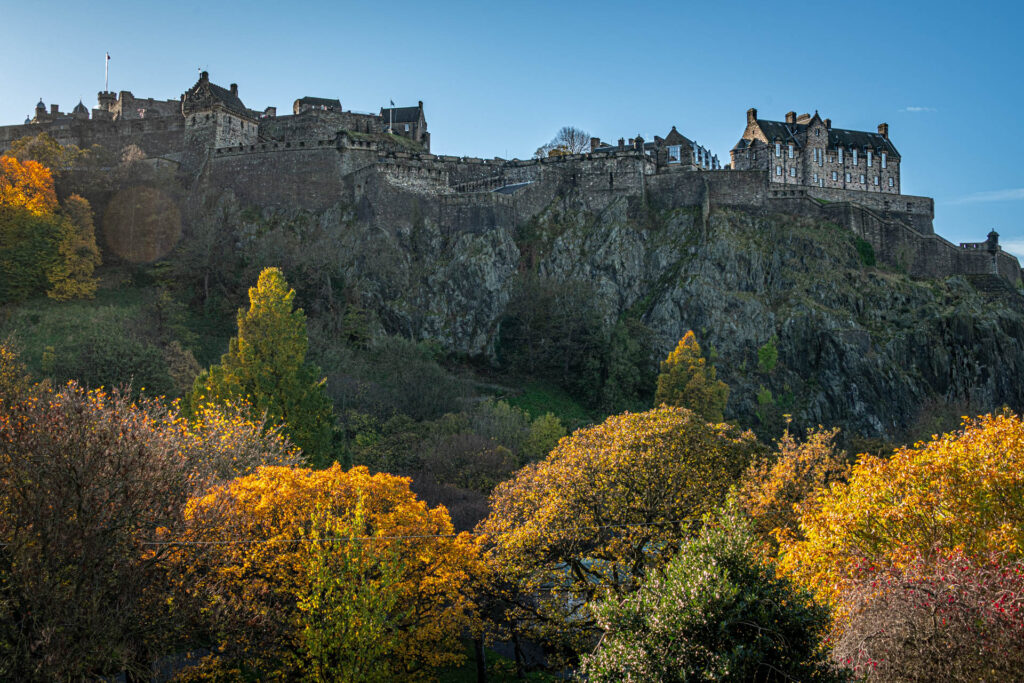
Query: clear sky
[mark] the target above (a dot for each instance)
(499, 79)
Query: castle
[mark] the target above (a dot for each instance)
(321, 154)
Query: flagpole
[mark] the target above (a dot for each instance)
(106, 73)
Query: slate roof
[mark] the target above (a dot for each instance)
(320, 102)
(401, 115)
(796, 133)
(228, 100)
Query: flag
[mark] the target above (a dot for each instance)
(108, 56)
(392, 103)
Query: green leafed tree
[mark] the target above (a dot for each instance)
(266, 365)
(718, 612)
(686, 380)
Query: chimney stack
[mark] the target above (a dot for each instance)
(594, 143)
(204, 76)
(790, 117)
(883, 130)
(54, 109)
(234, 89)
(828, 124)
(622, 142)
(751, 115)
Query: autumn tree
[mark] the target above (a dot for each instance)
(608, 504)
(79, 255)
(775, 484)
(338, 576)
(92, 490)
(687, 380)
(266, 367)
(26, 185)
(43, 246)
(716, 612)
(961, 490)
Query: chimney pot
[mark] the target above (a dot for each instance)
(234, 89)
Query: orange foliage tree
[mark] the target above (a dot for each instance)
(328, 575)
(963, 491)
(608, 504)
(27, 185)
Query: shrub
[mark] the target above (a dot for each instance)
(951, 618)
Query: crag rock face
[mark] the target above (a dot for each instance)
(860, 347)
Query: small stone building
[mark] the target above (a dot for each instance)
(806, 150)
(406, 121)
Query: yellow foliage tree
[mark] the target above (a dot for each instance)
(329, 575)
(962, 491)
(687, 380)
(79, 255)
(773, 486)
(608, 504)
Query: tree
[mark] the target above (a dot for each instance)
(43, 247)
(775, 485)
(78, 251)
(92, 492)
(27, 185)
(568, 140)
(962, 490)
(950, 618)
(687, 380)
(717, 612)
(341, 576)
(266, 366)
(608, 504)
(47, 151)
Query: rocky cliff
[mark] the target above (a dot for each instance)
(857, 346)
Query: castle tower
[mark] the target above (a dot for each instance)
(40, 111)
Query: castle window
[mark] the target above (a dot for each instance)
(883, 159)
(891, 182)
(778, 170)
(854, 157)
(835, 176)
(861, 178)
(792, 172)
(847, 177)
(815, 177)
(840, 155)
(675, 154)
(778, 149)
(876, 180)
(791, 151)
(821, 182)
(869, 158)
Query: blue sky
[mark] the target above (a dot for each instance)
(499, 79)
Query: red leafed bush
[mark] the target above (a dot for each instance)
(952, 619)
